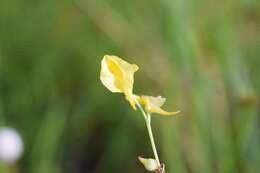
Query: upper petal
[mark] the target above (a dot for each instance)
(117, 75)
(107, 77)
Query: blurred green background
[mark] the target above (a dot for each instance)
(203, 56)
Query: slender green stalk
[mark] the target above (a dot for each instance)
(142, 110)
(147, 118)
(149, 128)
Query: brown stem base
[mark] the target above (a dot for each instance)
(161, 169)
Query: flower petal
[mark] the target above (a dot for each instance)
(163, 112)
(157, 101)
(153, 105)
(107, 77)
(117, 75)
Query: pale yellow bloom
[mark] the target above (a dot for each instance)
(117, 75)
(149, 164)
(153, 105)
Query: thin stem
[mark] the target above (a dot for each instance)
(147, 118)
(150, 132)
(142, 110)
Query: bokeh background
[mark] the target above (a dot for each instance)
(203, 56)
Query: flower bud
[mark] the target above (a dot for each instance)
(149, 164)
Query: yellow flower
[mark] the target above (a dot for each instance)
(117, 75)
(153, 105)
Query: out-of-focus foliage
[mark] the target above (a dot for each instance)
(202, 55)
